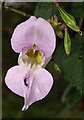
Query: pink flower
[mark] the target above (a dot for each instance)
(35, 40)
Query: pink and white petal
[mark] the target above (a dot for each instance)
(42, 82)
(23, 35)
(46, 40)
(15, 79)
(27, 93)
(34, 31)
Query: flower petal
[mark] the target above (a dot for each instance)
(15, 79)
(23, 35)
(40, 86)
(46, 40)
(34, 31)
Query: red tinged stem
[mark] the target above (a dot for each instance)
(65, 26)
(56, 3)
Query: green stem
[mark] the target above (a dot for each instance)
(17, 11)
(63, 99)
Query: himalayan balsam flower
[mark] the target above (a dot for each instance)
(35, 40)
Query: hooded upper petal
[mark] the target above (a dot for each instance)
(34, 31)
(40, 85)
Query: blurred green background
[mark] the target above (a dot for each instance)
(63, 101)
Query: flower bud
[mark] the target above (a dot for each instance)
(68, 19)
(67, 42)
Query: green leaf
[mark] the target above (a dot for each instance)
(71, 66)
(68, 19)
(67, 42)
(77, 9)
(44, 10)
(73, 98)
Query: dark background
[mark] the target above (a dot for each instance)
(55, 104)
